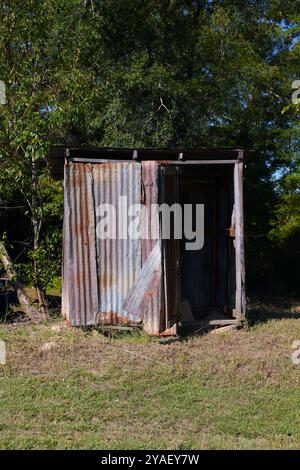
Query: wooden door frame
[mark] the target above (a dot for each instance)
(240, 292)
(239, 312)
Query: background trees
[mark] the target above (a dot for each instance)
(148, 73)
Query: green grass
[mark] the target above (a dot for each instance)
(233, 391)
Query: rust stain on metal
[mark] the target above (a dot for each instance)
(107, 281)
(114, 318)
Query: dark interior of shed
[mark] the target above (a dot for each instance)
(205, 279)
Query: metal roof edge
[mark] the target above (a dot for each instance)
(58, 154)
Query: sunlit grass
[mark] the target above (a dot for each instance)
(89, 390)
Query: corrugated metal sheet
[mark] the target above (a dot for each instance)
(80, 288)
(98, 273)
(146, 284)
(152, 319)
(119, 261)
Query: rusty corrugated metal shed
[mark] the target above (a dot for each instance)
(124, 281)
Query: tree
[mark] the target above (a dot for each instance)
(147, 73)
(39, 97)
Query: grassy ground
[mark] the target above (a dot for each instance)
(85, 390)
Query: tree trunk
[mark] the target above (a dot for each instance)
(36, 226)
(30, 310)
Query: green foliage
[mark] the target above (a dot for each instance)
(57, 283)
(49, 257)
(287, 224)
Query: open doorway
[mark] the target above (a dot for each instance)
(199, 284)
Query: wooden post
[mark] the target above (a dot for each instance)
(240, 297)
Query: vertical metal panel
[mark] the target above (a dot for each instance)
(119, 260)
(152, 316)
(80, 290)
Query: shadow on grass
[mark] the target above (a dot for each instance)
(262, 311)
(11, 312)
(8, 307)
(54, 306)
(258, 311)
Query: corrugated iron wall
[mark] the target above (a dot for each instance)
(98, 273)
(119, 261)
